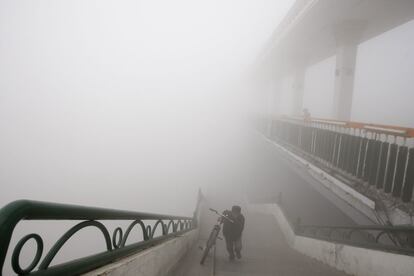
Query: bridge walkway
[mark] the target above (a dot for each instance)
(265, 253)
(265, 250)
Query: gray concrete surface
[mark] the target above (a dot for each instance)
(354, 260)
(265, 253)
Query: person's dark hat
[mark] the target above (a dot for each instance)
(236, 209)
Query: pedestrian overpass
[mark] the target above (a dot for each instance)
(326, 197)
(296, 224)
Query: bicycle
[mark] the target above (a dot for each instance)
(214, 234)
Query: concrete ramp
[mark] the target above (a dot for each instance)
(265, 253)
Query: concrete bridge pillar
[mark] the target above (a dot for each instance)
(347, 38)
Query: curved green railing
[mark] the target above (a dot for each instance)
(116, 247)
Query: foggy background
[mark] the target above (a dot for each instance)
(138, 104)
(118, 103)
(124, 104)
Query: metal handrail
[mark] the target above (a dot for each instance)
(400, 238)
(382, 161)
(14, 212)
(377, 128)
(390, 228)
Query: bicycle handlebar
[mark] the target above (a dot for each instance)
(215, 211)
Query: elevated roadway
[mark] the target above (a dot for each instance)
(314, 30)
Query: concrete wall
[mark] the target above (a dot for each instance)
(353, 260)
(159, 260)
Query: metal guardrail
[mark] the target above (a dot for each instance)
(375, 128)
(395, 239)
(116, 246)
(382, 157)
(361, 151)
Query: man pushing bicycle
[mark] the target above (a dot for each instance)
(232, 231)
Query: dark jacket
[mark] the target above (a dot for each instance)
(234, 230)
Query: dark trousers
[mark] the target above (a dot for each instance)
(233, 245)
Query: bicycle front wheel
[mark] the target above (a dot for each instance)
(205, 253)
(209, 244)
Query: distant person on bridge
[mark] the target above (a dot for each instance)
(306, 116)
(232, 231)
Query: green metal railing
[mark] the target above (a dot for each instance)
(116, 247)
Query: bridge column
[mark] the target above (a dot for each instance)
(298, 85)
(347, 36)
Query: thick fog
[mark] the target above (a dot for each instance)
(126, 104)
(138, 105)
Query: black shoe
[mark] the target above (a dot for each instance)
(238, 254)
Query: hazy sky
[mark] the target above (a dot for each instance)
(122, 103)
